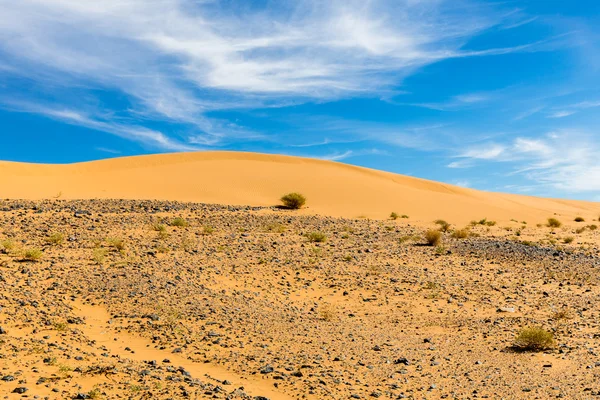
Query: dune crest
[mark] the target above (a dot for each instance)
(238, 178)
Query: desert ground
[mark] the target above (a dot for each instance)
(178, 276)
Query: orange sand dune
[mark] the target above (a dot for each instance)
(257, 179)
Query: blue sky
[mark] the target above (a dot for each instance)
(494, 95)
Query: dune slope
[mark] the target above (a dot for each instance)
(256, 179)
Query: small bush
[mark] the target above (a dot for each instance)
(32, 254)
(404, 216)
(568, 239)
(293, 201)
(444, 226)
(579, 219)
(393, 215)
(99, 255)
(7, 246)
(554, 223)
(275, 228)
(561, 315)
(317, 237)
(592, 227)
(55, 239)
(207, 230)
(580, 230)
(534, 339)
(159, 227)
(116, 243)
(433, 237)
(179, 222)
(460, 234)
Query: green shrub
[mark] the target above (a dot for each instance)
(579, 219)
(7, 246)
(293, 201)
(393, 215)
(159, 227)
(444, 226)
(404, 216)
(568, 239)
(460, 234)
(554, 223)
(433, 237)
(55, 239)
(316, 237)
(207, 230)
(32, 254)
(99, 255)
(116, 243)
(592, 227)
(179, 222)
(534, 339)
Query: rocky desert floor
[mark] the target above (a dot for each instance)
(105, 299)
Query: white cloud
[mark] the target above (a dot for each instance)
(177, 60)
(564, 160)
(561, 114)
(148, 137)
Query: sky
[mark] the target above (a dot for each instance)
(494, 95)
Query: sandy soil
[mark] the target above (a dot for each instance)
(240, 303)
(333, 189)
(195, 285)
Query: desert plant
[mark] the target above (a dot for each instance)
(404, 216)
(579, 219)
(534, 339)
(275, 227)
(554, 223)
(159, 227)
(433, 237)
(393, 215)
(293, 201)
(207, 230)
(179, 222)
(317, 237)
(116, 243)
(580, 230)
(444, 226)
(460, 234)
(568, 239)
(32, 254)
(55, 239)
(327, 312)
(592, 227)
(99, 255)
(561, 315)
(7, 246)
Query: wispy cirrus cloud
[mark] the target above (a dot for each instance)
(565, 160)
(178, 60)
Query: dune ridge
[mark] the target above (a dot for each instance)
(238, 178)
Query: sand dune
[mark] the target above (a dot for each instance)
(332, 188)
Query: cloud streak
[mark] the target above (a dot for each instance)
(179, 60)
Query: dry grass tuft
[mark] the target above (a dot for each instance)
(316, 237)
(55, 239)
(179, 222)
(461, 234)
(554, 223)
(433, 237)
(32, 254)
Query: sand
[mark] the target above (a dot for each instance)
(236, 178)
(107, 298)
